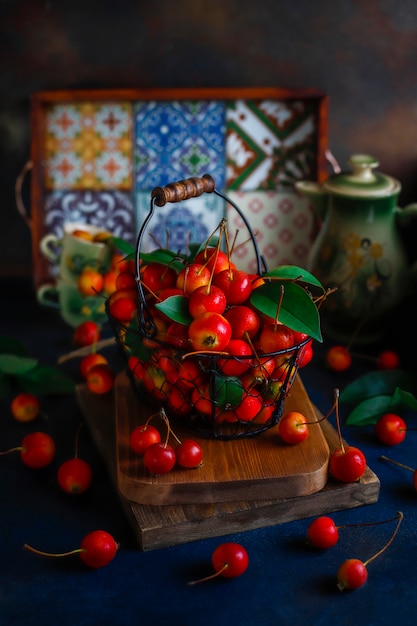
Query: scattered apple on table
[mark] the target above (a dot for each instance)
(25, 407)
(37, 450)
(97, 549)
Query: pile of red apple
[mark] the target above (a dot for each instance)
(203, 337)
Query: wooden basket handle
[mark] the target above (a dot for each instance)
(183, 190)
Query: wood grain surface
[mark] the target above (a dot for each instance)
(157, 526)
(253, 468)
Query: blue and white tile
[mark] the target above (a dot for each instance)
(176, 225)
(111, 210)
(177, 140)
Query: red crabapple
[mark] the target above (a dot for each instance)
(353, 573)
(36, 450)
(338, 359)
(25, 407)
(229, 560)
(323, 532)
(96, 550)
(390, 429)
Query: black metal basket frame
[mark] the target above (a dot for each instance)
(202, 424)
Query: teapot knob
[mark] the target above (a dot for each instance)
(362, 167)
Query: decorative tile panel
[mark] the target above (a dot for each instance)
(88, 146)
(111, 210)
(177, 225)
(270, 143)
(178, 140)
(97, 154)
(282, 221)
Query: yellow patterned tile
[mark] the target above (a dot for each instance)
(89, 146)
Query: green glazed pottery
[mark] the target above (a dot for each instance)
(359, 250)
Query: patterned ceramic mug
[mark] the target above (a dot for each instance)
(72, 305)
(80, 246)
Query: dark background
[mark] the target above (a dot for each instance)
(362, 54)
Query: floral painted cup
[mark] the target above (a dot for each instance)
(80, 246)
(72, 305)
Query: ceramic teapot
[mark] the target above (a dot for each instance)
(359, 250)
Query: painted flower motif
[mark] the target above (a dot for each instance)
(113, 121)
(356, 261)
(352, 241)
(64, 121)
(65, 170)
(376, 251)
(373, 283)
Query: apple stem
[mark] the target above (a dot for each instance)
(186, 272)
(319, 301)
(400, 518)
(156, 241)
(224, 232)
(80, 352)
(248, 240)
(152, 293)
(167, 268)
(214, 264)
(325, 417)
(164, 417)
(222, 228)
(281, 297)
(16, 449)
(336, 407)
(151, 417)
(55, 555)
(252, 347)
(385, 521)
(233, 246)
(385, 458)
(206, 578)
(210, 353)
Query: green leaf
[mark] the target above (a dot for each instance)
(10, 345)
(132, 342)
(5, 386)
(176, 308)
(124, 246)
(375, 384)
(228, 390)
(369, 411)
(292, 272)
(165, 257)
(12, 364)
(405, 398)
(297, 310)
(43, 380)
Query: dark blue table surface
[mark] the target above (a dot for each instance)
(287, 582)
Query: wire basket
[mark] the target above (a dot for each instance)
(217, 395)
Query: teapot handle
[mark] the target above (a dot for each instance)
(405, 214)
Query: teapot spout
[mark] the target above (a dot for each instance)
(314, 192)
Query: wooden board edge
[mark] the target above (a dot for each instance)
(265, 515)
(157, 527)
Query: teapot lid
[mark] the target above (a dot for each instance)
(362, 181)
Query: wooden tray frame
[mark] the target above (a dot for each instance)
(40, 101)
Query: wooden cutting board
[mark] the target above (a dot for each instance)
(157, 527)
(253, 468)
